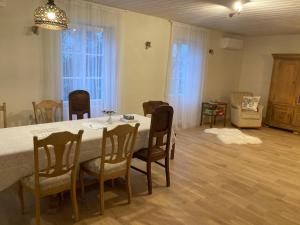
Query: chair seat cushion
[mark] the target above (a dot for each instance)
(246, 114)
(157, 153)
(94, 166)
(48, 183)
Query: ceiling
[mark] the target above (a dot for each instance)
(259, 17)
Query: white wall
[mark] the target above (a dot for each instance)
(143, 72)
(258, 62)
(223, 71)
(20, 61)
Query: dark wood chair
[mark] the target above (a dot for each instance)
(79, 104)
(149, 108)
(159, 143)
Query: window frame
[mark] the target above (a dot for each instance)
(83, 76)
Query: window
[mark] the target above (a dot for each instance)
(84, 57)
(180, 53)
(89, 62)
(82, 61)
(185, 74)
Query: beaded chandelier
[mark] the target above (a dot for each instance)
(50, 17)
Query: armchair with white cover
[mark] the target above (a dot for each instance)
(244, 118)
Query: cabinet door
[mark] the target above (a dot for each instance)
(297, 93)
(296, 118)
(284, 81)
(281, 115)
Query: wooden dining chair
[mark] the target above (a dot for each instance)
(3, 110)
(48, 111)
(159, 143)
(115, 163)
(59, 172)
(149, 108)
(79, 104)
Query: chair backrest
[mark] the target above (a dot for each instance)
(48, 111)
(3, 110)
(161, 128)
(236, 98)
(122, 140)
(61, 151)
(149, 106)
(79, 104)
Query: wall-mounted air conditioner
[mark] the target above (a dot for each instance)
(232, 43)
(3, 3)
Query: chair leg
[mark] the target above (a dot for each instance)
(128, 182)
(74, 201)
(37, 209)
(112, 183)
(21, 197)
(173, 151)
(167, 168)
(101, 197)
(81, 179)
(149, 178)
(61, 198)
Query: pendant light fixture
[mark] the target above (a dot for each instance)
(50, 17)
(237, 7)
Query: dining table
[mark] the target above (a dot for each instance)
(16, 143)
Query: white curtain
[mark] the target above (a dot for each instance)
(186, 70)
(85, 55)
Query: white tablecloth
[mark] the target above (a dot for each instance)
(16, 144)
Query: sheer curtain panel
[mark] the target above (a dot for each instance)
(88, 54)
(186, 71)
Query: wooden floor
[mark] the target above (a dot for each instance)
(211, 183)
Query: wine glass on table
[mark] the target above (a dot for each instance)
(109, 113)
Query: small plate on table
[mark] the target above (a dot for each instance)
(94, 125)
(128, 119)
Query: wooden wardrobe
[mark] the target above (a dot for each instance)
(284, 98)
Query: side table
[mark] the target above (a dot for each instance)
(214, 110)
